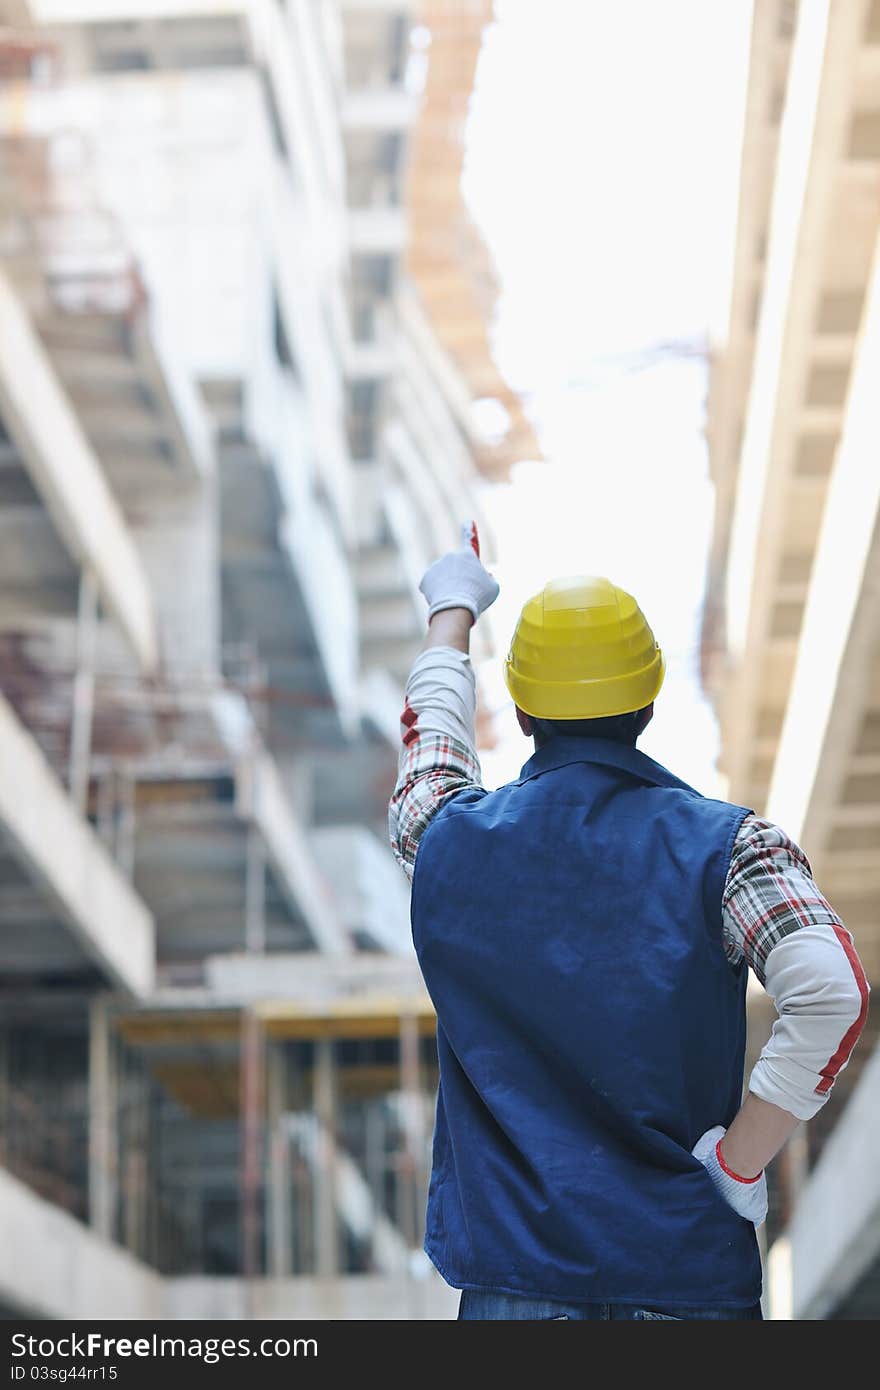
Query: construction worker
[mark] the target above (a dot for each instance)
(585, 933)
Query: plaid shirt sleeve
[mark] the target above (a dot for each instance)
(769, 893)
(438, 758)
(775, 919)
(434, 769)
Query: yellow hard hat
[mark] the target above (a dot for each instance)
(583, 650)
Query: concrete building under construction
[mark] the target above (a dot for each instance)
(234, 427)
(791, 640)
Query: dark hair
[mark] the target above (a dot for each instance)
(621, 728)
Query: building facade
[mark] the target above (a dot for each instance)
(230, 441)
(791, 637)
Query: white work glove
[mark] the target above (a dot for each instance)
(748, 1198)
(458, 579)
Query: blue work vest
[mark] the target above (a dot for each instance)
(590, 1030)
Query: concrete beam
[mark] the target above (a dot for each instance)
(60, 851)
(68, 477)
(842, 613)
(834, 1236)
(51, 1266)
(260, 796)
(307, 985)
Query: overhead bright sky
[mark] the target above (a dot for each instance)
(602, 164)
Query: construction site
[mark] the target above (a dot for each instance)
(245, 323)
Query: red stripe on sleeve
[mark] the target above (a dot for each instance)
(850, 1037)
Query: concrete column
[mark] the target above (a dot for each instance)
(326, 1234)
(299, 1173)
(278, 1205)
(103, 1117)
(251, 1070)
(411, 1160)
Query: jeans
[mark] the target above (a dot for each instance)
(479, 1306)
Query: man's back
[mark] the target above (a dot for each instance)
(540, 911)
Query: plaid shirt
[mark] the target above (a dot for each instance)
(769, 891)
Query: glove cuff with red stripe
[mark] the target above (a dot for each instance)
(747, 1196)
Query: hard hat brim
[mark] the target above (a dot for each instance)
(602, 698)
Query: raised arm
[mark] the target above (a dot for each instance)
(438, 757)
